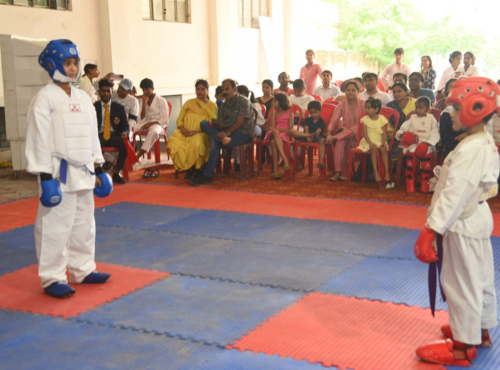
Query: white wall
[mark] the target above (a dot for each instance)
(82, 26)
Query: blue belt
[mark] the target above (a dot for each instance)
(63, 171)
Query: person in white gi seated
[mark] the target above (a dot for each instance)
(153, 116)
(460, 213)
(419, 136)
(62, 144)
(123, 96)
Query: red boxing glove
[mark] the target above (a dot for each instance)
(423, 247)
(408, 139)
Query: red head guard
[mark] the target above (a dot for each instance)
(472, 91)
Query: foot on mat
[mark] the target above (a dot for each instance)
(59, 290)
(96, 278)
(202, 180)
(286, 168)
(485, 336)
(277, 176)
(447, 352)
(117, 179)
(321, 165)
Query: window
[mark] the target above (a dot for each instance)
(50, 4)
(248, 10)
(166, 10)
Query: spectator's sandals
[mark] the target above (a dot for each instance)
(147, 173)
(151, 173)
(155, 173)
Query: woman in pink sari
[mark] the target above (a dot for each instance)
(343, 129)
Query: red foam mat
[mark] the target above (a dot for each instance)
(23, 212)
(21, 290)
(348, 333)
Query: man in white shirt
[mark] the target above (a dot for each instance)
(370, 81)
(153, 117)
(388, 73)
(327, 90)
(123, 96)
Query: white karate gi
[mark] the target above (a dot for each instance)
(64, 234)
(382, 96)
(387, 75)
(448, 74)
(131, 105)
(158, 111)
(426, 128)
(459, 211)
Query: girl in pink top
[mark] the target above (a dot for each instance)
(349, 111)
(280, 123)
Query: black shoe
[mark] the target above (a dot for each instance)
(118, 179)
(202, 180)
(237, 168)
(189, 173)
(198, 173)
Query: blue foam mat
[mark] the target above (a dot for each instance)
(387, 280)
(202, 310)
(276, 266)
(227, 225)
(160, 251)
(237, 360)
(17, 249)
(335, 236)
(41, 342)
(140, 216)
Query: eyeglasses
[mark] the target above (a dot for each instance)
(415, 80)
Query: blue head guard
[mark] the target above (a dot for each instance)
(56, 52)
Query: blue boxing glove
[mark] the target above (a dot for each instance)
(106, 187)
(51, 192)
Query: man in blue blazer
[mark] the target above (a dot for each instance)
(113, 126)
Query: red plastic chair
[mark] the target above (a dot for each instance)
(156, 145)
(326, 113)
(331, 102)
(317, 97)
(387, 113)
(339, 83)
(264, 109)
(287, 146)
(126, 166)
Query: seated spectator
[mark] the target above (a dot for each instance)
(441, 105)
(280, 126)
(387, 75)
(492, 127)
(328, 89)
(310, 72)
(371, 82)
(416, 89)
(428, 72)
(400, 77)
(402, 103)
(218, 96)
(359, 80)
(344, 138)
(299, 96)
(189, 146)
(134, 92)
(112, 126)
(455, 70)
(153, 117)
(469, 68)
(243, 90)
(123, 96)
(267, 97)
(284, 80)
(235, 126)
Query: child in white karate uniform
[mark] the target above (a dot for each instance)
(419, 136)
(62, 144)
(460, 213)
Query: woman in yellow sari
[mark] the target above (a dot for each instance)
(189, 147)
